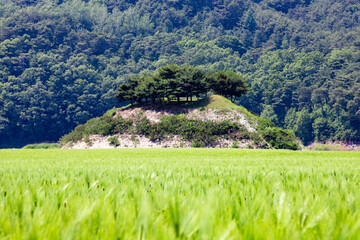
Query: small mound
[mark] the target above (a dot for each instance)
(210, 122)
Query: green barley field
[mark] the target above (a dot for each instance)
(179, 194)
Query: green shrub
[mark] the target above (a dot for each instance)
(88, 141)
(263, 124)
(42, 146)
(105, 125)
(279, 138)
(142, 124)
(74, 136)
(197, 144)
(201, 133)
(114, 141)
(235, 145)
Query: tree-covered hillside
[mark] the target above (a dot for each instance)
(61, 61)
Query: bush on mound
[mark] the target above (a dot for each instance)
(199, 133)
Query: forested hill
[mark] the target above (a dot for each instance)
(61, 61)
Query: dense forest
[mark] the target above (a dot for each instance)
(61, 61)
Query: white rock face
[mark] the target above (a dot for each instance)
(219, 115)
(129, 141)
(215, 115)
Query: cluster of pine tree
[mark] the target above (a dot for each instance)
(176, 82)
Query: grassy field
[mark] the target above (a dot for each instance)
(179, 193)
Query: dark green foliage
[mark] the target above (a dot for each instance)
(250, 23)
(105, 125)
(277, 138)
(176, 82)
(197, 144)
(142, 125)
(114, 141)
(263, 124)
(280, 138)
(228, 84)
(231, 42)
(235, 145)
(312, 94)
(74, 136)
(195, 131)
(170, 82)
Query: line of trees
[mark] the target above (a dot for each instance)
(173, 82)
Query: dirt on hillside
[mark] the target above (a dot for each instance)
(216, 115)
(154, 114)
